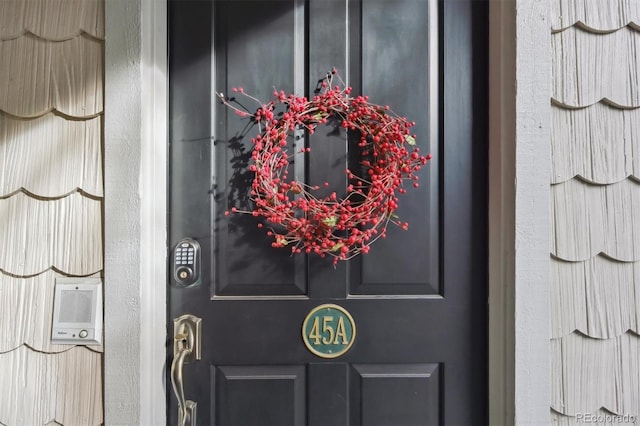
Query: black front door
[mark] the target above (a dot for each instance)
(417, 299)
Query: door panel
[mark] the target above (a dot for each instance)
(395, 36)
(418, 298)
(395, 394)
(255, 48)
(265, 395)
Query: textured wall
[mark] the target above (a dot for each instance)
(136, 117)
(51, 191)
(595, 211)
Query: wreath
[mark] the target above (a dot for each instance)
(341, 227)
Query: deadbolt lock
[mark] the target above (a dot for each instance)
(186, 262)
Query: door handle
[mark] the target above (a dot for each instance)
(186, 349)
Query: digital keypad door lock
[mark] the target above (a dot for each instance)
(186, 262)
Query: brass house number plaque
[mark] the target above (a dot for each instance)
(328, 331)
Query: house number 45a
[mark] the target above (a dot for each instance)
(328, 331)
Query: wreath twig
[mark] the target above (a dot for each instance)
(338, 227)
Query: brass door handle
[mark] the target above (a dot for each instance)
(186, 348)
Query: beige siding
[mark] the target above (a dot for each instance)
(51, 19)
(591, 219)
(598, 143)
(598, 297)
(599, 418)
(596, 16)
(64, 234)
(589, 374)
(51, 100)
(68, 155)
(39, 387)
(588, 67)
(39, 76)
(595, 211)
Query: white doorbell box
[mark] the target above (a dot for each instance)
(77, 311)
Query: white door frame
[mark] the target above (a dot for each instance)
(135, 135)
(135, 162)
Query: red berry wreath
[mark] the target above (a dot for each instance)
(339, 227)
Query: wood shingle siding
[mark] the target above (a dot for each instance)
(589, 374)
(39, 388)
(590, 68)
(63, 234)
(595, 16)
(599, 144)
(39, 76)
(599, 297)
(588, 219)
(51, 189)
(25, 309)
(595, 212)
(68, 155)
(51, 19)
(599, 418)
